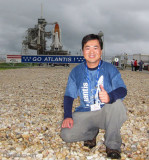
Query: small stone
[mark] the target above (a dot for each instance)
(89, 157)
(40, 156)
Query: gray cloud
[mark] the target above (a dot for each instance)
(124, 23)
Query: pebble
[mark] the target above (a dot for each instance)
(31, 111)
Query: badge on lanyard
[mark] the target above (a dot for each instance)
(95, 103)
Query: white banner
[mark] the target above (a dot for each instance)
(13, 59)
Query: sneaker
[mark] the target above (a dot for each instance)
(90, 143)
(113, 153)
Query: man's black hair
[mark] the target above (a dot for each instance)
(92, 37)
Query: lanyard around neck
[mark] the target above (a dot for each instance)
(97, 77)
(87, 71)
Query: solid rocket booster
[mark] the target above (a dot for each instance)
(56, 40)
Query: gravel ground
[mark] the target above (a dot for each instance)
(31, 111)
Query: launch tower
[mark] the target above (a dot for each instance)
(35, 39)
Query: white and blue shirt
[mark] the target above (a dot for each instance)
(83, 82)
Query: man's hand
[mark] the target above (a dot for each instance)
(103, 95)
(67, 123)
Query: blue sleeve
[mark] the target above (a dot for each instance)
(118, 93)
(68, 102)
(117, 80)
(71, 88)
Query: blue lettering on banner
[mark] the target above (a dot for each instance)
(52, 59)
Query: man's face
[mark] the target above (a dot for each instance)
(92, 53)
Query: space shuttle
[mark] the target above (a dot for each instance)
(56, 39)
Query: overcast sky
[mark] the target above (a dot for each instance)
(125, 23)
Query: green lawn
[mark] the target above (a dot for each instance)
(4, 66)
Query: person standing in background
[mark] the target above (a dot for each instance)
(135, 65)
(132, 64)
(140, 65)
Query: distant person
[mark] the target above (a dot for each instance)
(135, 65)
(132, 64)
(101, 90)
(140, 65)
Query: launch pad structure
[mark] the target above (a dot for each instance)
(36, 39)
